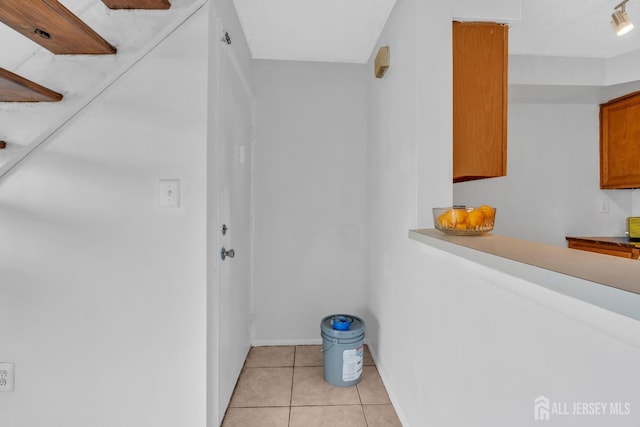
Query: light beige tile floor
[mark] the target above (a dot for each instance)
(284, 386)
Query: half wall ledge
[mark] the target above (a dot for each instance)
(609, 282)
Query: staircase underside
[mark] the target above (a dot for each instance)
(73, 80)
(14, 88)
(137, 4)
(53, 26)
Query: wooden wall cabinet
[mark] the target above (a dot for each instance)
(620, 142)
(480, 61)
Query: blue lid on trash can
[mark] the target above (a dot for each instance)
(342, 326)
(342, 323)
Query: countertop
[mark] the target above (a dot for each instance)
(584, 286)
(611, 271)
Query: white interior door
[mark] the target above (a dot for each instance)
(234, 204)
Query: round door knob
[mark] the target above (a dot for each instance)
(227, 253)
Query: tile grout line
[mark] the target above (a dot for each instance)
(364, 414)
(293, 373)
(333, 405)
(316, 364)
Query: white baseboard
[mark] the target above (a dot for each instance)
(264, 343)
(390, 392)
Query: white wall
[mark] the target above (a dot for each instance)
(491, 344)
(553, 127)
(623, 68)
(310, 194)
(433, 102)
(552, 187)
(456, 343)
(557, 71)
(409, 167)
(102, 293)
(488, 10)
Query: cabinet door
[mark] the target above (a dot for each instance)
(480, 57)
(620, 142)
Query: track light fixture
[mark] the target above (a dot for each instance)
(620, 20)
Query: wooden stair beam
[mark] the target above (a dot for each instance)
(137, 4)
(54, 27)
(14, 88)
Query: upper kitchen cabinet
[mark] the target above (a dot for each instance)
(620, 142)
(480, 61)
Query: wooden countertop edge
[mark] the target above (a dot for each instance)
(605, 240)
(610, 271)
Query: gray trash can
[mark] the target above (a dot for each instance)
(342, 349)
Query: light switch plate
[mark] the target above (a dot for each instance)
(7, 376)
(169, 193)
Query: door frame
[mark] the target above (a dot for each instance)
(216, 402)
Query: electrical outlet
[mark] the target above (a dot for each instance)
(604, 205)
(7, 376)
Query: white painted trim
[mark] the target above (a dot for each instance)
(213, 311)
(224, 55)
(314, 341)
(267, 343)
(392, 395)
(233, 59)
(252, 220)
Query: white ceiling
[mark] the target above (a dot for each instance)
(346, 30)
(313, 30)
(574, 28)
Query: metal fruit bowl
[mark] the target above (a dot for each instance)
(464, 221)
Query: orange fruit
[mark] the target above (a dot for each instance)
(453, 217)
(489, 213)
(445, 220)
(459, 216)
(475, 219)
